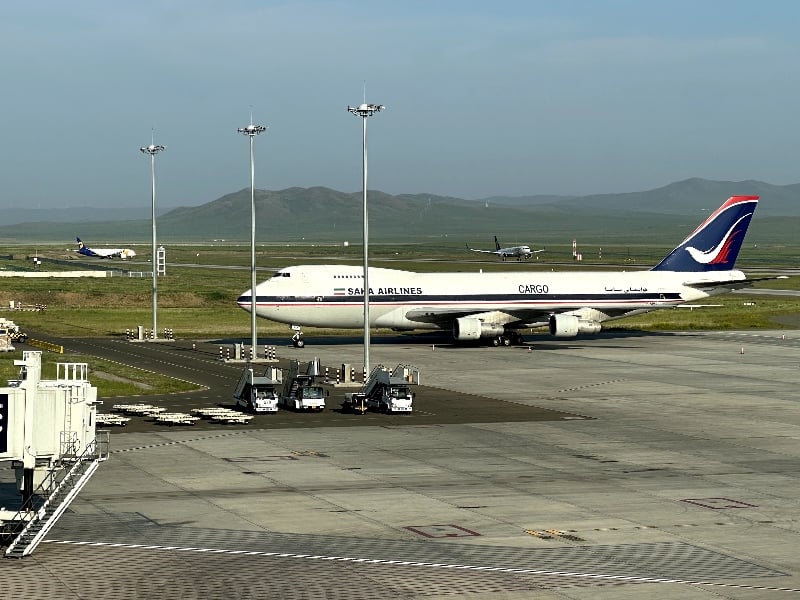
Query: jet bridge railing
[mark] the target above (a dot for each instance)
(37, 515)
(408, 373)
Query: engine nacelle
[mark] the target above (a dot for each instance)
(570, 326)
(472, 328)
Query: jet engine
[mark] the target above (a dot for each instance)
(570, 326)
(472, 328)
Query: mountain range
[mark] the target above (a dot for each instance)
(320, 214)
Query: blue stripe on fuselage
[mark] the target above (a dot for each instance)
(463, 298)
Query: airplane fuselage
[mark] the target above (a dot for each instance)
(516, 251)
(333, 296)
(110, 253)
(122, 253)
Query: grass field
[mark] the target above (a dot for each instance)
(112, 379)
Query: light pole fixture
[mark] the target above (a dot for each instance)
(365, 110)
(152, 150)
(252, 131)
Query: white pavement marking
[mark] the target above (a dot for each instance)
(379, 561)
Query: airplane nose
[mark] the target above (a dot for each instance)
(245, 301)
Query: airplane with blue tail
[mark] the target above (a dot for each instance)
(122, 253)
(496, 307)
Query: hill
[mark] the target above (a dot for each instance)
(679, 198)
(320, 214)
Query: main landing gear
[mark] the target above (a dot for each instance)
(511, 338)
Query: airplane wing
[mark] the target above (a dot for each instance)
(511, 317)
(732, 285)
(693, 306)
(441, 315)
(485, 251)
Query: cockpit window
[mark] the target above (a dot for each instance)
(282, 274)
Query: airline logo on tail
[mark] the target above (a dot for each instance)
(720, 254)
(715, 244)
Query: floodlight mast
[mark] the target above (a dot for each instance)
(252, 131)
(152, 150)
(365, 110)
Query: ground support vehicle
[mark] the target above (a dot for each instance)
(390, 392)
(9, 334)
(13, 330)
(355, 402)
(258, 394)
(300, 392)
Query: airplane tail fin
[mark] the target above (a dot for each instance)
(715, 244)
(496, 243)
(82, 249)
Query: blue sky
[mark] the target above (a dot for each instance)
(482, 98)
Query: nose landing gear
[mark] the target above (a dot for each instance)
(297, 337)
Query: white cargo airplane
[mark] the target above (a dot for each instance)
(122, 253)
(518, 252)
(496, 306)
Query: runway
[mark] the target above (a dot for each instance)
(618, 466)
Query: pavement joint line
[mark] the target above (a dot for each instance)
(172, 443)
(589, 385)
(380, 561)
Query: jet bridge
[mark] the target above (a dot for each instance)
(47, 431)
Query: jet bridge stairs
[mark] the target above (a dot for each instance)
(300, 392)
(296, 380)
(388, 391)
(52, 498)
